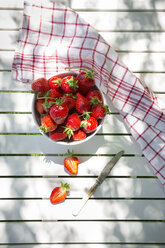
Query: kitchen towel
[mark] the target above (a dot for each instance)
(53, 37)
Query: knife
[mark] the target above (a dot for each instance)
(104, 173)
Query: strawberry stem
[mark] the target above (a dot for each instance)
(57, 81)
(88, 73)
(43, 129)
(107, 109)
(84, 124)
(65, 186)
(59, 101)
(69, 154)
(68, 131)
(46, 97)
(85, 114)
(94, 101)
(72, 83)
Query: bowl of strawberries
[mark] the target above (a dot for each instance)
(68, 108)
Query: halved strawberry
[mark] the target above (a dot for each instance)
(47, 124)
(71, 163)
(59, 193)
(82, 104)
(69, 84)
(72, 124)
(89, 125)
(79, 135)
(58, 134)
(40, 85)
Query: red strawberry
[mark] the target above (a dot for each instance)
(55, 82)
(70, 100)
(72, 124)
(58, 134)
(47, 124)
(82, 104)
(71, 163)
(54, 93)
(39, 106)
(89, 125)
(48, 104)
(59, 193)
(50, 98)
(69, 84)
(94, 94)
(85, 80)
(41, 85)
(79, 135)
(99, 111)
(59, 111)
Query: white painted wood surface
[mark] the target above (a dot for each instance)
(128, 210)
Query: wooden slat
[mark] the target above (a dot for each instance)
(66, 232)
(98, 4)
(40, 144)
(23, 101)
(112, 187)
(151, 80)
(135, 41)
(102, 21)
(135, 61)
(104, 210)
(18, 4)
(82, 245)
(117, 5)
(89, 166)
(18, 123)
(125, 41)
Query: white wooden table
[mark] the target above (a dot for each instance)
(128, 210)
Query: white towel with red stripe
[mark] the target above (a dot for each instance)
(53, 37)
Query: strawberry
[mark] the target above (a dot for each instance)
(70, 100)
(40, 85)
(72, 124)
(48, 104)
(59, 193)
(89, 125)
(50, 98)
(94, 94)
(71, 163)
(58, 134)
(59, 111)
(47, 124)
(55, 82)
(69, 84)
(85, 80)
(54, 93)
(39, 106)
(99, 111)
(79, 135)
(82, 104)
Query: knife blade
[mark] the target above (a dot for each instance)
(104, 173)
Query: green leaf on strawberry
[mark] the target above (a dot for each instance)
(69, 131)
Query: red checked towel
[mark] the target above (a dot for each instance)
(54, 36)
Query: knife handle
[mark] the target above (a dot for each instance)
(86, 197)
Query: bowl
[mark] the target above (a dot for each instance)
(66, 141)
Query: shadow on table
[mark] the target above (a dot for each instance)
(116, 231)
